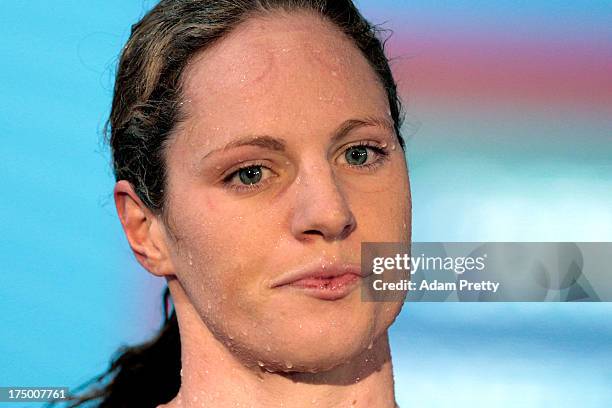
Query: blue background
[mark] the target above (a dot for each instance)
(496, 160)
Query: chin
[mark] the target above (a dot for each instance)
(322, 354)
(315, 342)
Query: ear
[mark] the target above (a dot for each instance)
(144, 231)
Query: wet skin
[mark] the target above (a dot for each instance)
(287, 157)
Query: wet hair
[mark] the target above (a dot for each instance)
(145, 110)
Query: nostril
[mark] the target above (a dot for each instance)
(346, 231)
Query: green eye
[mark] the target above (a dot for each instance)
(250, 175)
(356, 155)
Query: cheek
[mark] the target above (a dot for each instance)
(219, 258)
(383, 214)
(222, 283)
(386, 314)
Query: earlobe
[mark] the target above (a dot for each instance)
(141, 229)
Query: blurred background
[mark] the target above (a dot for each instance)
(509, 129)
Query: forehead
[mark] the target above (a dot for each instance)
(282, 68)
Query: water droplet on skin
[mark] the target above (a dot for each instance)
(268, 349)
(288, 364)
(385, 144)
(260, 363)
(231, 337)
(370, 346)
(190, 258)
(181, 372)
(393, 146)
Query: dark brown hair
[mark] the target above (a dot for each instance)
(145, 110)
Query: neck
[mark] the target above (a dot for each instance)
(213, 377)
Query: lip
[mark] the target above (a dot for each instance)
(322, 280)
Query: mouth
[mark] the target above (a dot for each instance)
(321, 281)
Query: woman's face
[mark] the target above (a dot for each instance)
(286, 162)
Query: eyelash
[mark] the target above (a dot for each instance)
(227, 181)
(382, 155)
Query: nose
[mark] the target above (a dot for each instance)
(321, 208)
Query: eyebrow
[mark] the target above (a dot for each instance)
(267, 142)
(277, 144)
(349, 125)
